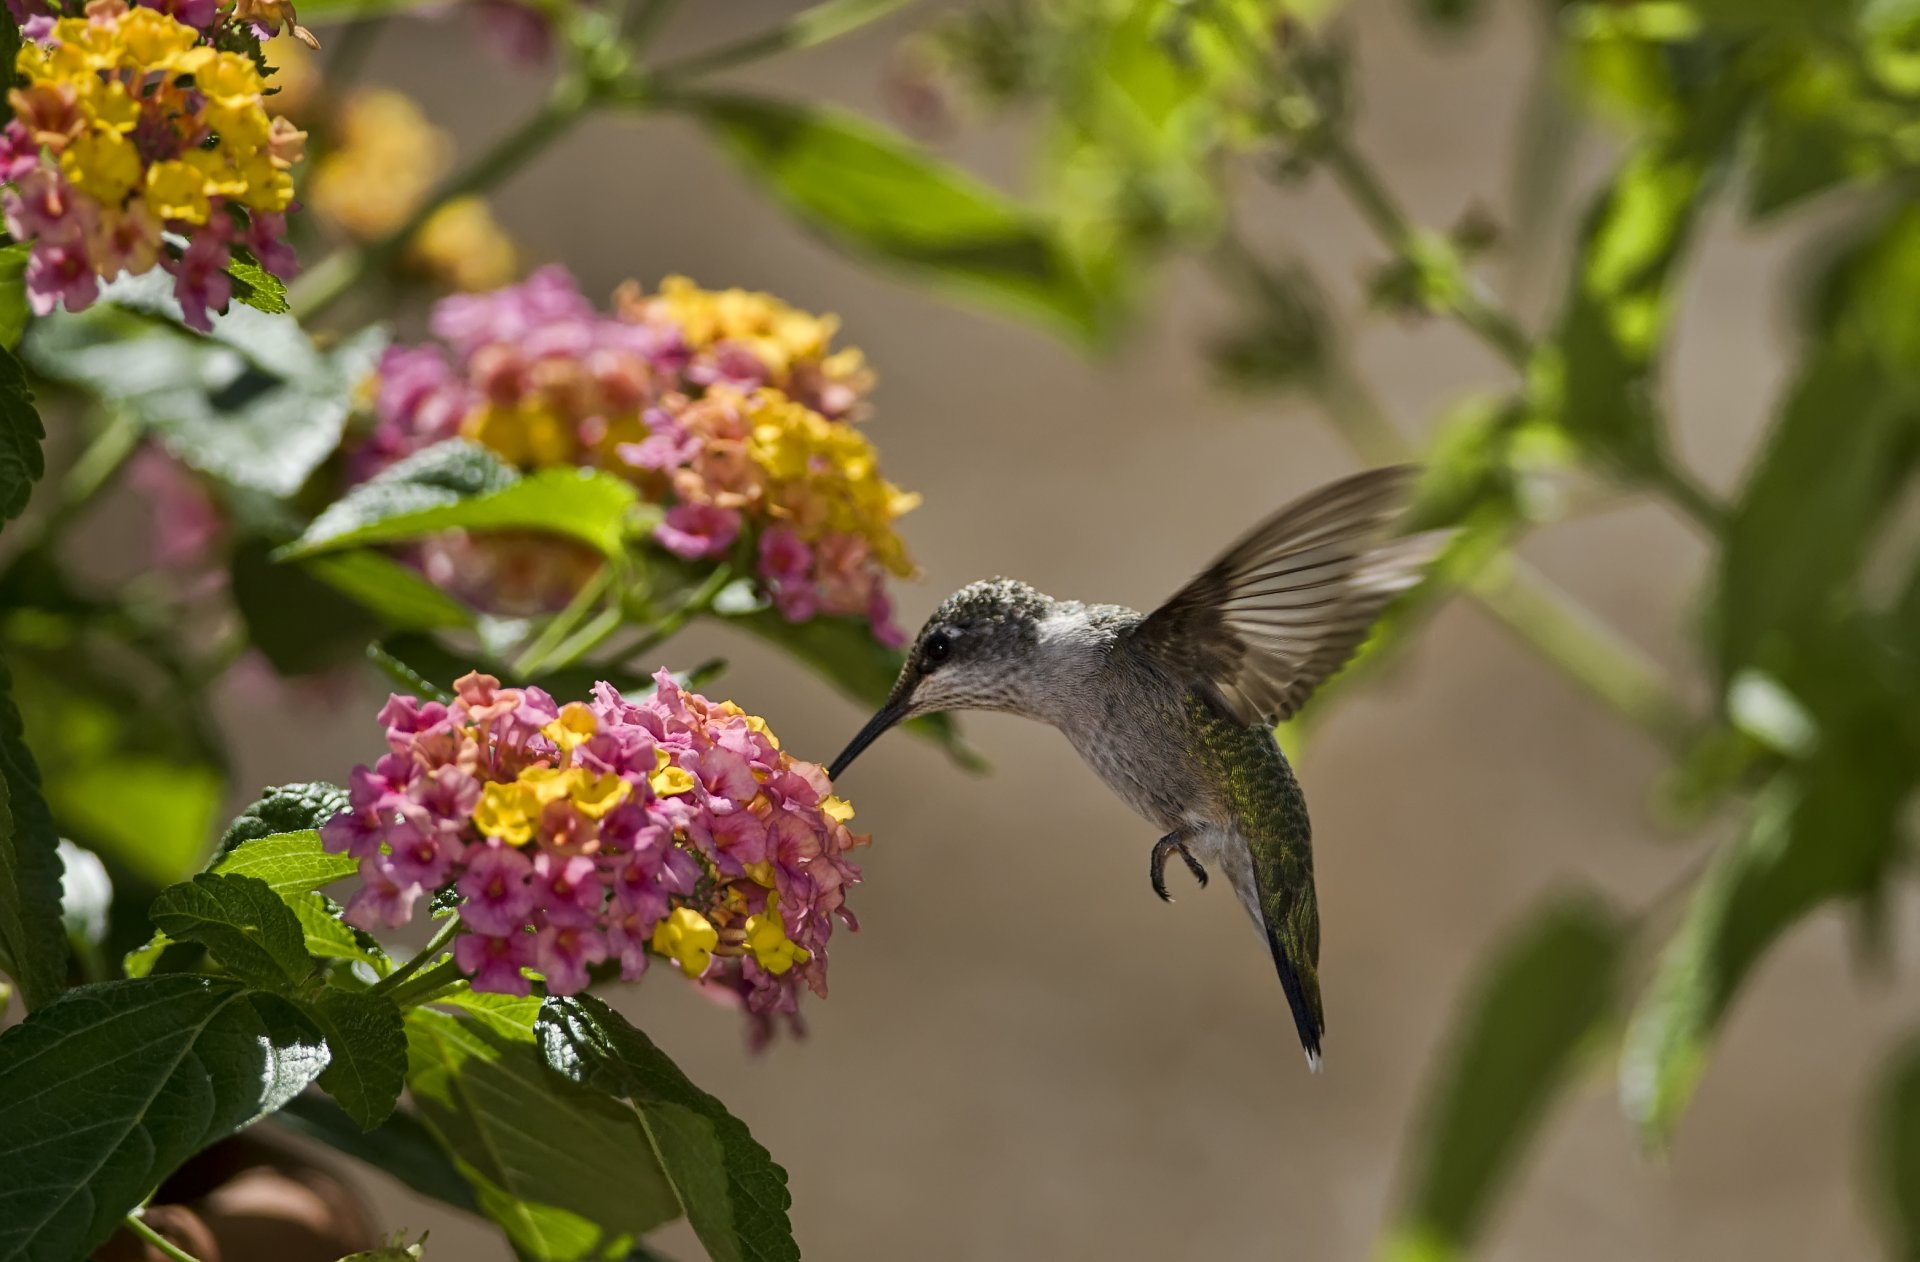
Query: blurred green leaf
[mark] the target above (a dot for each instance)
(255, 404)
(88, 1130)
(395, 594)
(874, 192)
(21, 461)
(1544, 995)
(844, 653)
(458, 485)
(14, 312)
(419, 661)
(400, 1146)
(286, 808)
(1895, 1131)
(735, 1195)
(566, 1172)
(32, 939)
(242, 922)
(303, 626)
(367, 1042)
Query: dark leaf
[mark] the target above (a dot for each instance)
(1545, 994)
(565, 1171)
(735, 1195)
(1896, 1153)
(21, 461)
(874, 192)
(31, 936)
(368, 1045)
(286, 808)
(300, 624)
(400, 1146)
(397, 595)
(844, 653)
(104, 1092)
(240, 919)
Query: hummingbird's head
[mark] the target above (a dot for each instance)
(972, 654)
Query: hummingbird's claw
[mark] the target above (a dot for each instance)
(1170, 844)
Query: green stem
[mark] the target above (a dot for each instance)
(138, 1227)
(428, 985)
(803, 31)
(436, 944)
(338, 273)
(1687, 495)
(562, 624)
(643, 21)
(667, 624)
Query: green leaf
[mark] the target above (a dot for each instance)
(735, 1195)
(14, 312)
(330, 938)
(594, 507)
(400, 1146)
(21, 461)
(242, 922)
(368, 1045)
(31, 936)
(255, 404)
(286, 808)
(1895, 1131)
(395, 594)
(1547, 991)
(844, 653)
(300, 624)
(420, 663)
(287, 863)
(254, 285)
(105, 1091)
(870, 190)
(565, 1171)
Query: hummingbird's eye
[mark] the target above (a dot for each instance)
(935, 650)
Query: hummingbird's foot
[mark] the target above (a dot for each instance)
(1170, 844)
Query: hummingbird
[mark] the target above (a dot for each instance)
(1175, 709)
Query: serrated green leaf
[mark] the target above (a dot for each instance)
(844, 653)
(31, 935)
(367, 1042)
(14, 312)
(1546, 992)
(437, 477)
(105, 1091)
(242, 922)
(875, 193)
(287, 863)
(565, 1171)
(735, 1195)
(1895, 1134)
(21, 461)
(330, 938)
(282, 810)
(397, 595)
(254, 285)
(594, 507)
(401, 1146)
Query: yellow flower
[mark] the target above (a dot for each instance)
(176, 190)
(386, 159)
(507, 811)
(217, 176)
(688, 938)
(758, 724)
(837, 808)
(230, 80)
(761, 872)
(777, 333)
(105, 166)
(767, 938)
(464, 246)
(152, 40)
(826, 476)
(596, 795)
(529, 434)
(574, 728)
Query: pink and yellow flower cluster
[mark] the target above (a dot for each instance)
(130, 124)
(611, 830)
(730, 409)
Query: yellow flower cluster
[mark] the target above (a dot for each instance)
(132, 104)
(385, 160)
(824, 477)
(778, 335)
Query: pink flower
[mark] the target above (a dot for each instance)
(562, 954)
(60, 274)
(384, 898)
(786, 564)
(494, 963)
(200, 280)
(697, 531)
(495, 887)
(567, 889)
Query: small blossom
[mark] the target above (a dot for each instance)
(495, 964)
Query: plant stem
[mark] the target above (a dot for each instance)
(338, 273)
(561, 625)
(436, 944)
(664, 627)
(1687, 495)
(643, 21)
(138, 1227)
(429, 984)
(804, 30)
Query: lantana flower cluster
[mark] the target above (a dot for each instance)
(730, 409)
(671, 826)
(136, 143)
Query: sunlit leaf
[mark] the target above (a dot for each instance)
(1539, 1000)
(367, 1043)
(286, 808)
(112, 1086)
(14, 312)
(242, 921)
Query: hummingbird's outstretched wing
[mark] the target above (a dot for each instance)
(1285, 607)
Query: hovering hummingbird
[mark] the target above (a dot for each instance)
(1175, 709)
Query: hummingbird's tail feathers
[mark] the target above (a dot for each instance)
(1301, 982)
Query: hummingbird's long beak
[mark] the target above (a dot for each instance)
(888, 715)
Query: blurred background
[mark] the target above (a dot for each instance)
(1026, 1054)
